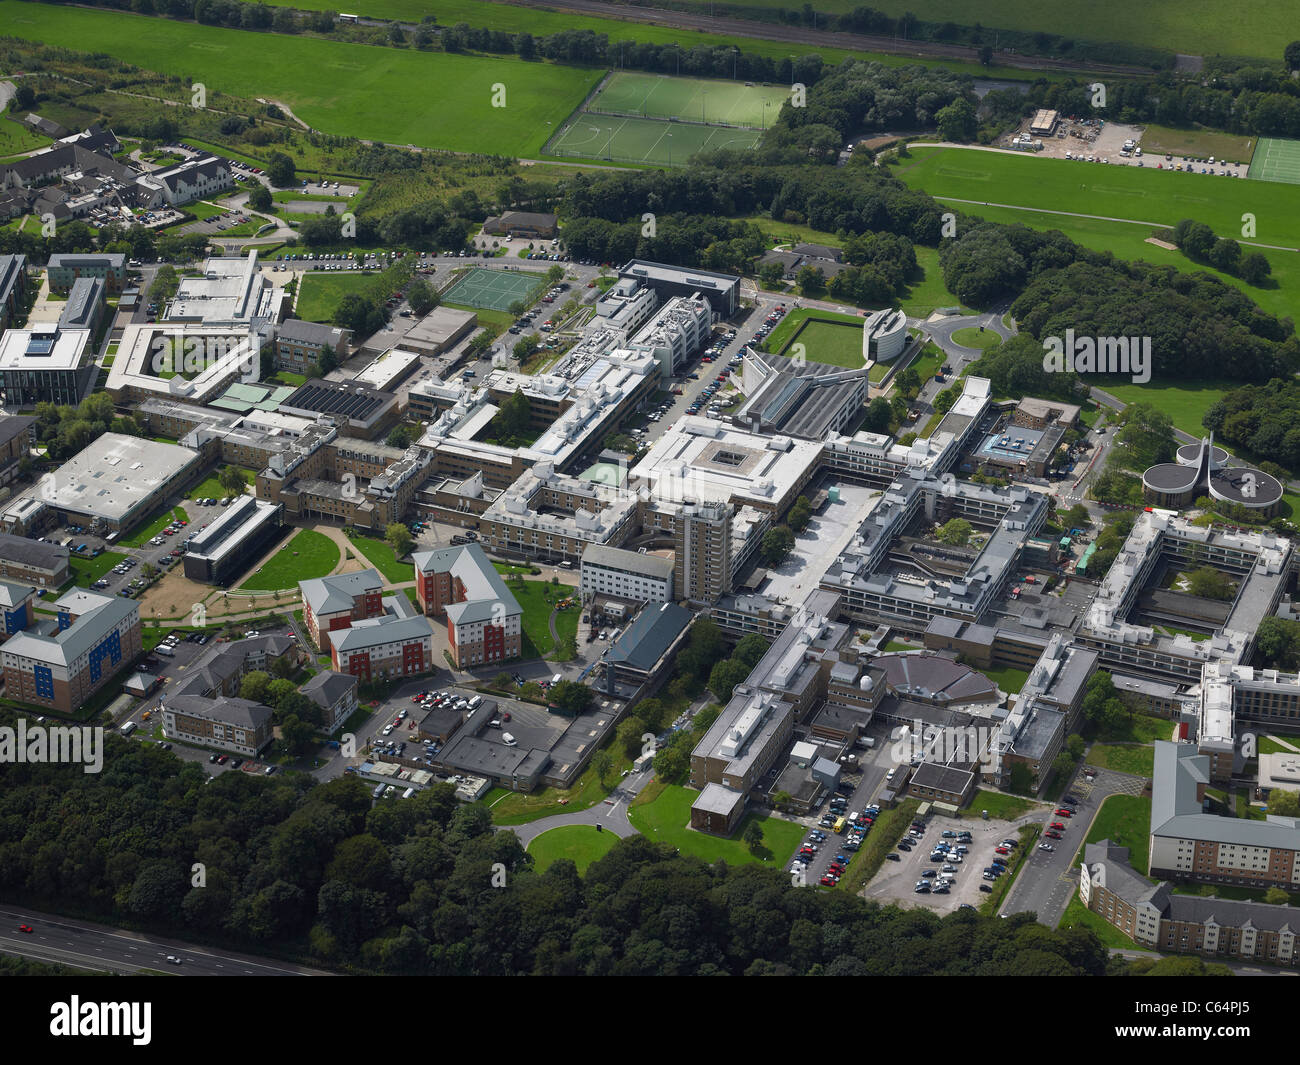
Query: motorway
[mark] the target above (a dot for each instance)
(99, 947)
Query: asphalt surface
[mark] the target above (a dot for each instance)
(81, 943)
(1049, 880)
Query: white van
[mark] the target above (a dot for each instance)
(163, 649)
(476, 702)
(507, 739)
(556, 679)
(408, 793)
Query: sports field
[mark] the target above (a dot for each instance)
(724, 103)
(494, 290)
(1276, 160)
(399, 96)
(645, 140)
(661, 121)
(1062, 189)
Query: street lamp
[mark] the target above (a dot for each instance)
(670, 148)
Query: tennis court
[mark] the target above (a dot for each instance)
(493, 290)
(723, 103)
(645, 140)
(1276, 160)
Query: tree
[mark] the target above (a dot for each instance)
(725, 676)
(909, 383)
(297, 735)
(421, 296)
(254, 686)
(1291, 54)
(399, 437)
(1021, 780)
(399, 538)
(986, 55)
(878, 416)
(1077, 517)
(24, 98)
(232, 481)
(1210, 583)
(1063, 765)
(1284, 803)
(1275, 896)
(571, 696)
(800, 514)
(603, 764)
(782, 800)
(260, 198)
(753, 836)
(811, 280)
(957, 121)
(280, 170)
(776, 545)
(1277, 641)
(750, 649)
(771, 274)
(524, 347)
(1076, 746)
(955, 532)
(628, 735)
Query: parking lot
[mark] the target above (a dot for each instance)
(897, 880)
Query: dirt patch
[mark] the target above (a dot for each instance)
(1162, 244)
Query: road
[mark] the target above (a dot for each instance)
(1049, 881)
(611, 814)
(100, 947)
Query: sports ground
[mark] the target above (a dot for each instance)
(493, 290)
(1276, 160)
(663, 121)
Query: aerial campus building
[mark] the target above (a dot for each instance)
(1202, 469)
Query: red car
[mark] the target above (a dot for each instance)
(1057, 825)
(828, 881)
(1052, 835)
(1063, 812)
(505, 716)
(1001, 850)
(24, 928)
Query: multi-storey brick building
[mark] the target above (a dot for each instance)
(391, 645)
(1152, 915)
(96, 635)
(1187, 844)
(484, 621)
(330, 604)
(299, 345)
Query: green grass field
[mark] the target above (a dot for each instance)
(1001, 807)
(398, 96)
(581, 844)
(1276, 160)
(1128, 240)
(828, 341)
(1142, 195)
(1125, 820)
(725, 103)
(1185, 401)
(784, 333)
(1197, 143)
(928, 293)
(494, 290)
(308, 555)
(85, 571)
(211, 487)
(647, 141)
(667, 820)
(1138, 759)
(1199, 27)
(381, 556)
(319, 293)
(1007, 678)
(538, 598)
(147, 532)
(973, 338)
(1077, 915)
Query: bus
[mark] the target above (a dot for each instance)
(347, 18)
(839, 826)
(128, 728)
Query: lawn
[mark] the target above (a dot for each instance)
(899, 645)
(537, 598)
(1126, 821)
(1197, 143)
(1077, 915)
(211, 487)
(483, 104)
(148, 532)
(927, 363)
(794, 321)
(581, 844)
(1143, 728)
(1269, 745)
(974, 337)
(1000, 807)
(731, 103)
(85, 571)
(319, 294)
(381, 556)
(667, 818)
(1010, 680)
(1135, 758)
(1185, 402)
(307, 555)
(832, 342)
